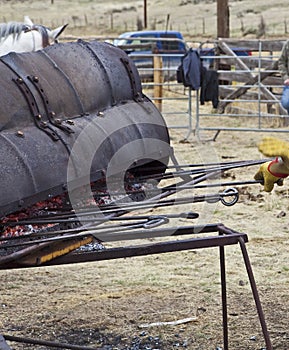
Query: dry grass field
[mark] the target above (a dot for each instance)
(196, 19)
(105, 304)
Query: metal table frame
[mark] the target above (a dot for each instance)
(223, 236)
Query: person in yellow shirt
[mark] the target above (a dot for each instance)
(277, 170)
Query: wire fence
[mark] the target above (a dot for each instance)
(249, 87)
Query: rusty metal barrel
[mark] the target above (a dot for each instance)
(68, 110)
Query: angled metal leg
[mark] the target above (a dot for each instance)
(224, 298)
(255, 294)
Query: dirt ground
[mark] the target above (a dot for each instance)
(107, 304)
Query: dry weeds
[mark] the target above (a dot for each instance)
(94, 303)
(75, 303)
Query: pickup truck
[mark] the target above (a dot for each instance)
(141, 45)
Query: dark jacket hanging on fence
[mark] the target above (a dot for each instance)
(191, 73)
(209, 87)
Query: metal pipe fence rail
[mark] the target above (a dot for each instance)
(250, 89)
(158, 76)
(250, 85)
(157, 65)
(176, 105)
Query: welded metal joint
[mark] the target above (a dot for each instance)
(49, 113)
(33, 107)
(136, 94)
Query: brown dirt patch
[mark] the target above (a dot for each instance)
(105, 303)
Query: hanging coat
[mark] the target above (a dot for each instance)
(189, 71)
(209, 87)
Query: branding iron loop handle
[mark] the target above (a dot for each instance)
(229, 192)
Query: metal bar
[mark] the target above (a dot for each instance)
(225, 237)
(189, 114)
(168, 190)
(149, 249)
(255, 294)
(224, 298)
(206, 169)
(220, 184)
(219, 128)
(47, 343)
(211, 198)
(196, 165)
(197, 124)
(147, 221)
(257, 79)
(151, 222)
(174, 187)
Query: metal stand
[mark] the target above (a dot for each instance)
(223, 237)
(254, 292)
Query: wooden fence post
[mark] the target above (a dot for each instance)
(158, 81)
